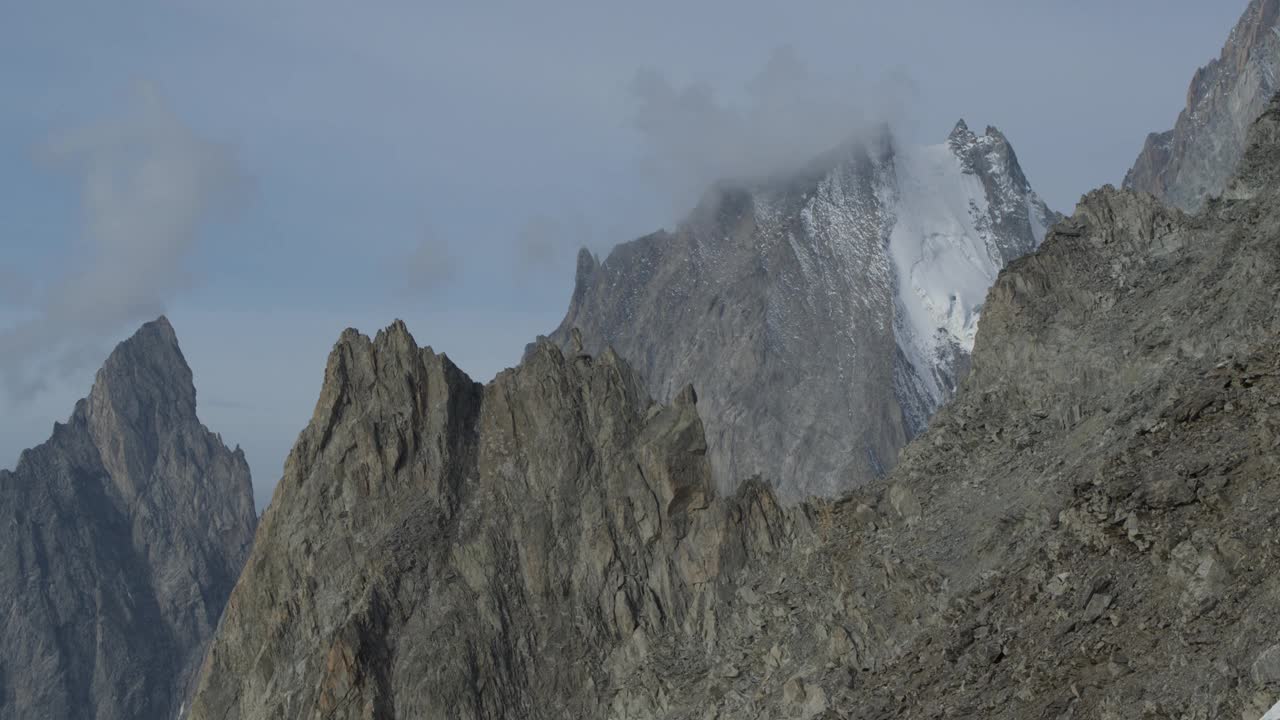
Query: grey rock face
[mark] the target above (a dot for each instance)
(438, 549)
(1193, 161)
(122, 536)
(823, 316)
(1086, 531)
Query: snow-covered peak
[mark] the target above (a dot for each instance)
(939, 246)
(963, 209)
(961, 137)
(825, 312)
(989, 153)
(945, 219)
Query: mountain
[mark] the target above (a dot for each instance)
(1086, 530)
(824, 315)
(123, 535)
(1193, 161)
(439, 549)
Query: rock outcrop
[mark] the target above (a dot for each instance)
(1086, 531)
(439, 549)
(824, 316)
(1193, 161)
(122, 537)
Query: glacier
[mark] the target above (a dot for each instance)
(953, 203)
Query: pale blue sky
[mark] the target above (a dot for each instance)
(329, 164)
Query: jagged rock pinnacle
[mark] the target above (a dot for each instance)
(961, 135)
(433, 517)
(124, 534)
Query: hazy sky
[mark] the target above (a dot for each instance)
(268, 173)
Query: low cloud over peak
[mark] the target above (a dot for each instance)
(149, 186)
(785, 115)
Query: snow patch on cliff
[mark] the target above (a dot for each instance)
(941, 256)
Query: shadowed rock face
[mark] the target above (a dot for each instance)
(122, 537)
(439, 549)
(823, 316)
(1086, 531)
(1193, 161)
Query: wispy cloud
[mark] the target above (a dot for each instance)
(544, 241)
(786, 115)
(149, 186)
(431, 265)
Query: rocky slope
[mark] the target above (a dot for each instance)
(122, 537)
(438, 549)
(824, 316)
(1086, 531)
(1194, 160)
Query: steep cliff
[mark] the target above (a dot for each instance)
(824, 315)
(438, 549)
(1193, 161)
(122, 537)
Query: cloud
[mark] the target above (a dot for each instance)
(431, 265)
(542, 245)
(149, 186)
(785, 116)
(544, 241)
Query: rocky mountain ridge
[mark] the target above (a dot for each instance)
(1193, 161)
(439, 549)
(1087, 530)
(123, 536)
(824, 315)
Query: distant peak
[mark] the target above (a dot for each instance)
(161, 324)
(144, 385)
(396, 330)
(155, 346)
(961, 134)
(962, 137)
